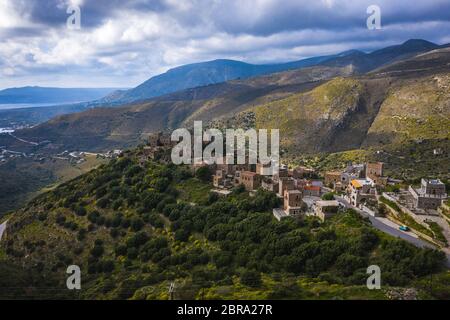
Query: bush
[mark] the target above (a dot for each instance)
(93, 216)
(114, 233)
(132, 253)
(80, 211)
(328, 196)
(103, 202)
(137, 224)
(137, 240)
(97, 251)
(182, 235)
(156, 221)
(81, 234)
(107, 266)
(120, 250)
(251, 278)
(204, 174)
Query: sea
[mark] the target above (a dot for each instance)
(10, 106)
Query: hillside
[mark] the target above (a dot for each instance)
(135, 230)
(413, 110)
(105, 128)
(206, 73)
(23, 179)
(332, 117)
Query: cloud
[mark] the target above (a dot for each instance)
(122, 43)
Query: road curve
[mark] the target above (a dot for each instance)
(395, 232)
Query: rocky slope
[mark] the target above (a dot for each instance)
(318, 109)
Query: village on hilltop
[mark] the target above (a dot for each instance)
(306, 192)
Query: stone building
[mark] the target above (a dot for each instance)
(360, 190)
(430, 194)
(374, 171)
(332, 178)
(222, 180)
(251, 180)
(326, 209)
(283, 172)
(269, 185)
(292, 202)
(303, 172)
(265, 169)
(227, 168)
(311, 191)
(351, 172)
(285, 183)
(153, 139)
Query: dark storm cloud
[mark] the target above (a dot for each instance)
(53, 12)
(277, 16)
(125, 42)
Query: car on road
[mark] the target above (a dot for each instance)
(403, 228)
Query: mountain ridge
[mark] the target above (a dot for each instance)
(222, 70)
(105, 128)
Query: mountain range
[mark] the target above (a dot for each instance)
(217, 71)
(330, 107)
(203, 74)
(345, 102)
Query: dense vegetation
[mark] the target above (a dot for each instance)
(134, 230)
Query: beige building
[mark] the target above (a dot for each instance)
(285, 183)
(302, 172)
(269, 185)
(283, 172)
(360, 190)
(251, 180)
(292, 202)
(375, 172)
(326, 209)
(332, 178)
(312, 191)
(430, 195)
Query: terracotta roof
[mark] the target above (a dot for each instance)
(312, 188)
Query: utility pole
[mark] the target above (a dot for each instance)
(431, 284)
(171, 290)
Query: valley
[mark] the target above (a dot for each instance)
(80, 183)
(321, 111)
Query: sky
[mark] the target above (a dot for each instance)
(123, 43)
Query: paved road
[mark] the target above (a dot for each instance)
(408, 236)
(392, 229)
(2, 229)
(23, 140)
